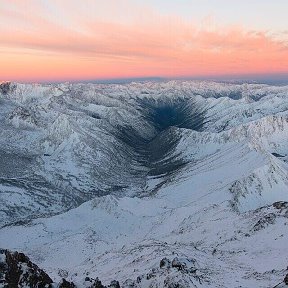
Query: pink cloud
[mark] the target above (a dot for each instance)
(148, 46)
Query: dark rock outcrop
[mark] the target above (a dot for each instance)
(280, 205)
(6, 87)
(114, 284)
(65, 284)
(176, 263)
(16, 270)
(165, 263)
(96, 283)
(264, 221)
(24, 115)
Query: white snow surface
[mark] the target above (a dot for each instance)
(76, 196)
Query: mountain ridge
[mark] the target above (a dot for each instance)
(111, 179)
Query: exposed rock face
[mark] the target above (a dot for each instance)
(16, 270)
(5, 87)
(286, 279)
(20, 112)
(280, 205)
(114, 284)
(185, 264)
(96, 283)
(22, 116)
(175, 273)
(165, 263)
(268, 215)
(264, 221)
(65, 284)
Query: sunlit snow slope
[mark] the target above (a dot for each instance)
(108, 180)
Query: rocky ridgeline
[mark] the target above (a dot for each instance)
(269, 214)
(16, 270)
(175, 273)
(89, 282)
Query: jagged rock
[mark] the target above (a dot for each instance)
(97, 284)
(22, 115)
(88, 279)
(150, 275)
(176, 263)
(280, 205)
(114, 284)
(63, 273)
(65, 284)
(5, 87)
(286, 279)
(20, 112)
(173, 285)
(165, 263)
(264, 221)
(129, 283)
(16, 270)
(190, 265)
(277, 155)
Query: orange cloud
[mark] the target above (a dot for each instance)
(71, 46)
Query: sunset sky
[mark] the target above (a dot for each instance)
(60, 40)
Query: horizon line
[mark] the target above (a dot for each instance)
(265, 78)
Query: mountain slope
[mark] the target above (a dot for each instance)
(121, 181)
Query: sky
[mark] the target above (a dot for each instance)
(72, 40)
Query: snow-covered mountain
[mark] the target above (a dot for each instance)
(157, 184)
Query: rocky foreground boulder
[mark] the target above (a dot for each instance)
(16, 270)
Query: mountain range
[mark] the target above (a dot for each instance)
(147, 184)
